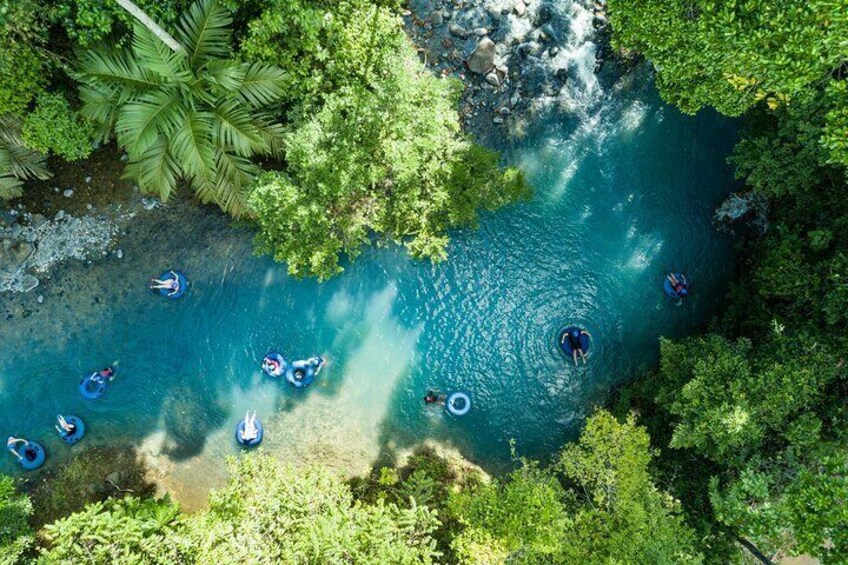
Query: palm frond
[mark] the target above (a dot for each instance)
(25, 163)
(10, 187)
(116, 73)
(141, 122)
(10, 131)
(227, 189)
(101, 108)
(192, 145)
(156, 171)
(155, 55)
(17, 163)
(271, 132)
(262, 84)
(205, 32)
(236, 132)
(225, 73)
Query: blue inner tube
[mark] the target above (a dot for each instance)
(167, 276)
(302, 373)
(279, 359)
(93, 386)
(32, 455)
(669, 290)
(255, 441)
(458, 403)
(78, 432)
(565, 346)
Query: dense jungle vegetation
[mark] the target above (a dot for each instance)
(735, 447)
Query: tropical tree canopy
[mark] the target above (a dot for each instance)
(192, 115)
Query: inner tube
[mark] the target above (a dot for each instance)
(458, 403)
(93, 386)
(565, 346)
(32, 455)
(669, 290)
(167, 276)
(255, 441)
(78, 432)
(274, 356)
(301, 374)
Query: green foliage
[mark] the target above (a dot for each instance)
(16, 536)
(17, 163)
(193, 115)
(389, 160)
(611, 511)
(727, 399)
(732, 55)
(524, 513)
(54, 126)
(325, 47)
(271, 513)
(623, 518)
(88, 22)
(23, 35)
(794, 501)
(116, 532)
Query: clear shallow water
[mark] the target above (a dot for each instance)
(625, 189)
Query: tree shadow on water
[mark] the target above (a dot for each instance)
(190, 416)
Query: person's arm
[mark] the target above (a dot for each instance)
(587, 333)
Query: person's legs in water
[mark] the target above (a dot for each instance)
(574, 354)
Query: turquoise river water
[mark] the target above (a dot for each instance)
(625, 191)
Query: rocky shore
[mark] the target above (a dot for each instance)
(514, 57)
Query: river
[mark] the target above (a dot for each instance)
(625, 188)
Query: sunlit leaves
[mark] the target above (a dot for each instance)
(192, 115)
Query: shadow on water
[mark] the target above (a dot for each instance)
(190, 417)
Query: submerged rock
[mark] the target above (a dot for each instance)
(458, 31)
(749, 206)
(29, 282)
(482, 60)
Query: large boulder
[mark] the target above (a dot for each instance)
(14, 253)
(482, 60)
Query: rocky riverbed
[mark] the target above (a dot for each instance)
(515, 58)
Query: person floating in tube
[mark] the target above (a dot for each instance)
(65, 428)
(251, 431)
(171, 285)
(574, 340)
(272, 366)
(434, 398)
(12, 443)
(103, 375)
(679, 285)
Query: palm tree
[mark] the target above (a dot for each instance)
(191, 115)
(17, 163)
